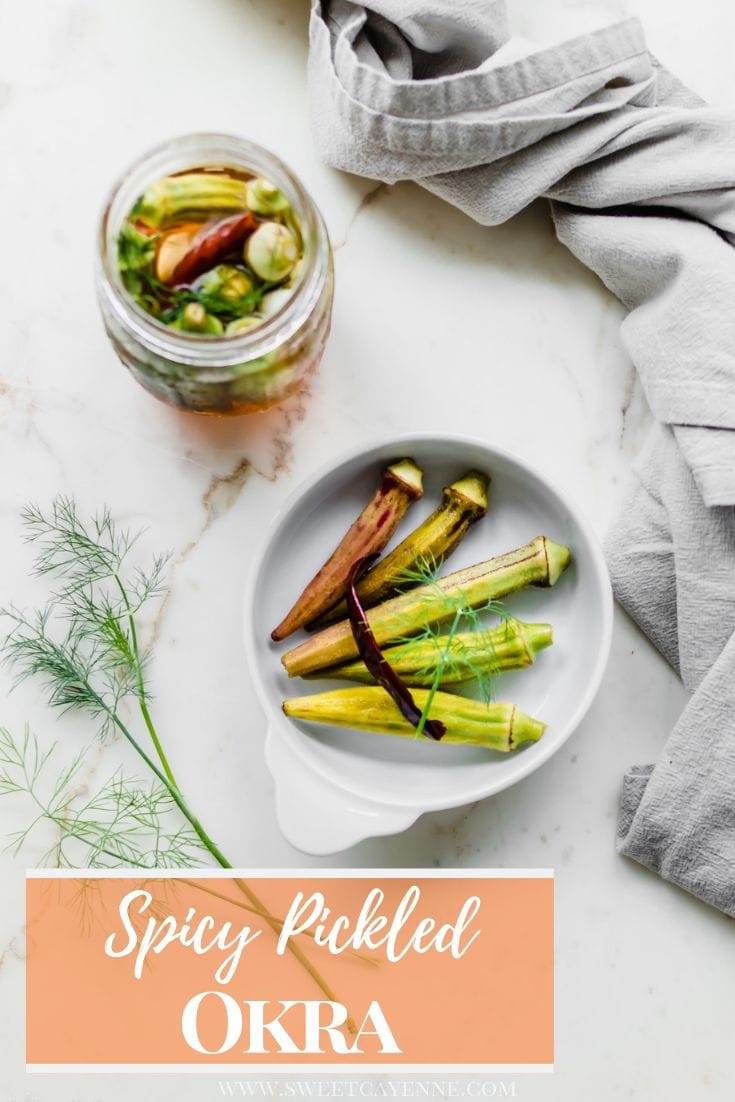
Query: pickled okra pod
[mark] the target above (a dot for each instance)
(495, 726)
(402, 484)
(539, 563)
(272, 252)
(432, 542)
(195, 319)
(191, 193)
(465, 656)
(263, 197)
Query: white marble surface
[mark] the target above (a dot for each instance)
(430, 313)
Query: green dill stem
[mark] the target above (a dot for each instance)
(171, 787)
(219, 856)
(261, 913)
(439, 672)
(156, 742)
(301, 957)
(165, 776)
(141, 687)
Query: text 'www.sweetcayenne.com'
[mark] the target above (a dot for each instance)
(367, 1088)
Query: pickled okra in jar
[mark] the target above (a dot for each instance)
(212, 252)
(214, 275)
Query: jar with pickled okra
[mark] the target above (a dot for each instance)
(215, 275)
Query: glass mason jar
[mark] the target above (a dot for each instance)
(244, 372)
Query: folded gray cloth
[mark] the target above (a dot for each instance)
(673, 561)
(641, 178)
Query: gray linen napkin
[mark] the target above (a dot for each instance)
(641, 178)
(673, 562)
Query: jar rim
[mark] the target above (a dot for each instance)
(191, 349)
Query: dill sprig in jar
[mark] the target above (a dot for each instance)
(215, 275)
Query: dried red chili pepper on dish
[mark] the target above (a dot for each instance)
(376, 662)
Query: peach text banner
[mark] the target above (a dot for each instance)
(400, 969)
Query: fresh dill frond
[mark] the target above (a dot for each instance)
(85, 650)
(425, 571)
(64, 665)
(84, 644)
(81, 553)
(124, 822)
(481, 668)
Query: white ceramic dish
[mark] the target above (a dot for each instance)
(336, 787)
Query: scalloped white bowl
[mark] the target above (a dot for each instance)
(335, 787)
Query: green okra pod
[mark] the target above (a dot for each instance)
(495, 726)
(465, 656)
(462, 504)
(539, 563)
(192, 193)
